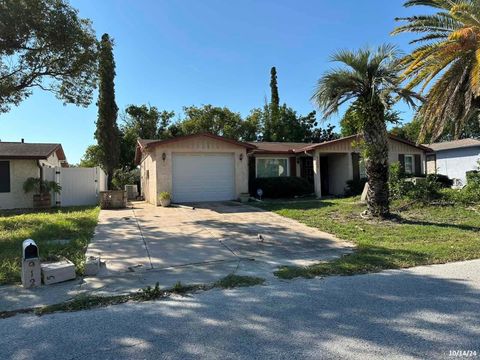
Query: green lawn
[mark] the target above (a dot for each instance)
(76, 223)
(417, 235)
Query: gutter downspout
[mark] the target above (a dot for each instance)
(40, 167)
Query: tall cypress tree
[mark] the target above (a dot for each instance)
(272, 110)
(274, 100)
(107, 133)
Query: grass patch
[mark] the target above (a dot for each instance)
(232, 281)
(416, 235)
(75, 224)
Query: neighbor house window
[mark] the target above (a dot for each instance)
(409, 165)
(4, 176)
(272, 167)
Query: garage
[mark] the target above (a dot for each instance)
(203, 177)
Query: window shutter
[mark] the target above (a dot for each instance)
(293, 166)
(418, 164)
(4, 176)
(356, 166)
(401, 160)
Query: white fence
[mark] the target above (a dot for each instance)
(80, 186)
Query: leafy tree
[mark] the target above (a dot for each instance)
(409, 131)
(107, 133)
(370, 79)
(326, 134)
(215, 120)
(92, 157)
(351, 122)
(446, 62)
(44, 44)
(145, 122)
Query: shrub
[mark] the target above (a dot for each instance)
(283, 187)
(355, 187)
(125, 176)
(473, 178)
(425, 190)
(164, 195)
(397, 185)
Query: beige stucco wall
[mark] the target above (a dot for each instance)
(20, 170)
(148, 184)
(162, 169)
(340, 162)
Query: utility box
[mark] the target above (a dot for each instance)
(59, 271)
(30, 264)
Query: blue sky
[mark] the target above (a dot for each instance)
(190, 52)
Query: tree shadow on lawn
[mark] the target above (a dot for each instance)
(408, 221)
(388, 314)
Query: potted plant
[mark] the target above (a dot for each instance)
(42, 190)
(244, 197)
(165, 198)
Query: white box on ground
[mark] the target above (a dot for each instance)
(56, 272)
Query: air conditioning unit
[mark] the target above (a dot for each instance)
(132, 191)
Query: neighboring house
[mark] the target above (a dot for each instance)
(19, 161)
(454, 158)
(207, 167)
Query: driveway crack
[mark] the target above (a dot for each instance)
(143, 238)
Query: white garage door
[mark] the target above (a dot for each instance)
(203, 177)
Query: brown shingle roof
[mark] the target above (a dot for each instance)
(19, 150)
(455, 144)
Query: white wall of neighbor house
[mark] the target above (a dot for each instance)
(160, 171)
(20, 170)
(456, 162)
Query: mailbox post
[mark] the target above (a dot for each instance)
(30, 264)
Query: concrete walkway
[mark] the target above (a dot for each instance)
(144, 244)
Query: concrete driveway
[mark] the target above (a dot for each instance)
(147, 237)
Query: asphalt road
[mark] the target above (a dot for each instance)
(420, 313)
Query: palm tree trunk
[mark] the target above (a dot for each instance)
(376, 162)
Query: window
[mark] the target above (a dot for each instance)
(409, 168)
(271, 167)
(4, 176)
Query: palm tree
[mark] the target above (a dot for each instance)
(446, 63)
(370, 79)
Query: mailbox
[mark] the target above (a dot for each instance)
(31, 274)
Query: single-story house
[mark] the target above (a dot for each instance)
(206, 167)
(454, 158)
(21, 160)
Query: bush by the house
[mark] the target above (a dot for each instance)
(423, 190)
(473, 178)
(125, 176)
(283, 187)
(355, 187)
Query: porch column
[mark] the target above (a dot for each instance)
(317, 175)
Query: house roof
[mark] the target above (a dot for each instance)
(143, 144)
(266, 147)
(22, 150)
(357, 136)
(455, 144)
